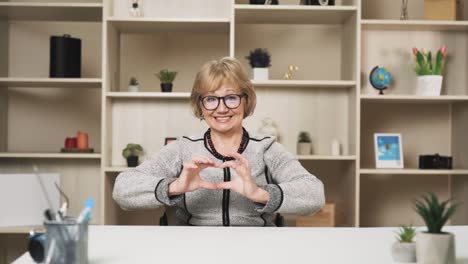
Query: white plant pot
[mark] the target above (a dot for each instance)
(260, 74)
(304, 148)
(133, 88)
(430, 85)
(404, 252)
(435, 248)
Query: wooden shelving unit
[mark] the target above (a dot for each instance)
(334, 47)
(414, 25)
(49, 11)
(51, 82)
(292, 14)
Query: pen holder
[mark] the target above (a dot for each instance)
(67, 242)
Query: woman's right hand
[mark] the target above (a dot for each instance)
(189, 179)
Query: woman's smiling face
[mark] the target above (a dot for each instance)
(224, 119)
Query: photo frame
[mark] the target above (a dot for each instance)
(169, 140)
(388, 151)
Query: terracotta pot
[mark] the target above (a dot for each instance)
(82, 140)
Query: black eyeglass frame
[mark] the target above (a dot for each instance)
(224, 102)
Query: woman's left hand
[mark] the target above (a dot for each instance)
(243, 183)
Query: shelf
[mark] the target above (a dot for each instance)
(115, 169)
(292, 14)
(44, 11)
(51, 82)
(416, 25)
(415, 98)
(326, 157)
(50, 155)
(303, 84)
(413, 171)
(20, 229)
(172, 95)
(152, 25)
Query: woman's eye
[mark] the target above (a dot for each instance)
(211, 99)
(231, 98)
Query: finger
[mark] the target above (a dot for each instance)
(225, 185)
(203, 160)
(240, 158)
(230, 164)
(190, 166)
(208, 185)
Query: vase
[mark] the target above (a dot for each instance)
(435, 248)
(430, 85)
(304, 148)
(132, 161)
(166, 87)
(335, 148)
(260, 74)
(404, 252)
(404, 10)
(133, 88)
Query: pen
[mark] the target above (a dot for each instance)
(85, 214)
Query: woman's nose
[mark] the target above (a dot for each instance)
(222, 107)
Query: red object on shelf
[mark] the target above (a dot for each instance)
(82, 140)
(70, 142)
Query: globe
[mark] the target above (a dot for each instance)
(380, 78)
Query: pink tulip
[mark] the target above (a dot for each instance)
(415, 51)
(443, 50)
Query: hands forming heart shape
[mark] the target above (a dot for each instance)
(190, 180)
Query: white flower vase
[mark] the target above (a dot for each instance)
(430, 85)
(133, 88)
(404, 252)
(260, 74)
(304, 148)
(435, 248)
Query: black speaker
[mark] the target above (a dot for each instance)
(317, 2)
(65, 57)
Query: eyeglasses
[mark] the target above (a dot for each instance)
(231, 101)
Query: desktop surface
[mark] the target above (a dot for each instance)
(156, 244)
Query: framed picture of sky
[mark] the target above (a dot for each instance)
(388, 151)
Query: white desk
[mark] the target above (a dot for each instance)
(241, 245)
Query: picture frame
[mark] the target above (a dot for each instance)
(169, 140)
(388, 149)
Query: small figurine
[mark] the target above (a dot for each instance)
(135, 9)
(289, 75)
(268, 127)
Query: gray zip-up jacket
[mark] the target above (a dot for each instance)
(292, 189)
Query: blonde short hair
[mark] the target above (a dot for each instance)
(214, 74)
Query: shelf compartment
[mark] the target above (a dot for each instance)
(152, 25)
(303, 83)
(415, 25)
(414, 171)
(292, 14)
(142, 95)
(51, 11)
(50, 155)
(51, 82)
(414, 98)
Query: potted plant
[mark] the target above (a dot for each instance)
(404, 249)
(131, 152)
(435, 246)
(166, 77)
(304, 144)
(133, 85)
(259, 60)
(429, 71)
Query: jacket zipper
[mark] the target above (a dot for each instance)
(226, 193)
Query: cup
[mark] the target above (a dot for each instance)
(67, 242)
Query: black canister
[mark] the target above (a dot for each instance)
(65, 57)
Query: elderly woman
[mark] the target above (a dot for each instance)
(225, 176)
